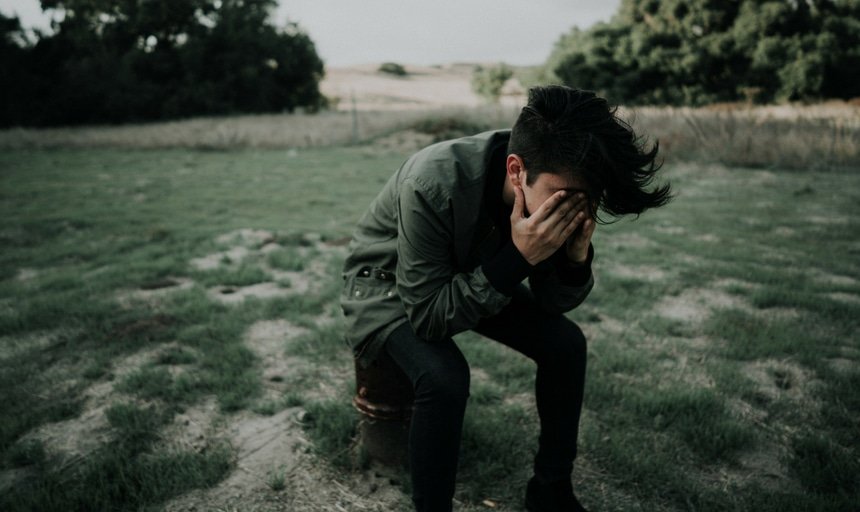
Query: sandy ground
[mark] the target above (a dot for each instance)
(421, 89)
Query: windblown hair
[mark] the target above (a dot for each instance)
(570, 130)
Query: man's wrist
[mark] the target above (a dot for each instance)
(582, 261)
(572, 273)
(507, 268)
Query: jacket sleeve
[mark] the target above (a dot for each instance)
(557, 287)
(439, 301)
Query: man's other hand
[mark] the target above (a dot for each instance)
(577, 244)
(538, 236)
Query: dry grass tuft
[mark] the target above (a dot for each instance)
(810, 137)
(799, 137)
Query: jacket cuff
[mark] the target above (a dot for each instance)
(507, 269)
(570, 274)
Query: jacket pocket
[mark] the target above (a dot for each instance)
(369, 283)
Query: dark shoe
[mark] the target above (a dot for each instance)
(552, 497)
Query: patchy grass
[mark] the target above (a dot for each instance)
(723, 352)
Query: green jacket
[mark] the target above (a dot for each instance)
(416, 254)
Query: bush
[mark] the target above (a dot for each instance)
(392, 68)
(488, 82)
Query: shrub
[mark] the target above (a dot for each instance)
(392, 68)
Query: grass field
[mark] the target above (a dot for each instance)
(170, 338)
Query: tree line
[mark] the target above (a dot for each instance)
(110, 61)
(693, 52)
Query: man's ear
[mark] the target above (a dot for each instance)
(516, 170)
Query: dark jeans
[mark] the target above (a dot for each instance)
(440, 376)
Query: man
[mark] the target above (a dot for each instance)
(445, 247)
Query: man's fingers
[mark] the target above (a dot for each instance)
(519, 200)
(588, 229)
(549, 206)
(567, 209)
(566, 229)
(583, 237)
(567, 213)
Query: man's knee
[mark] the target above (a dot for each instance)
(575, 339)
(565, 345)
(446, 380)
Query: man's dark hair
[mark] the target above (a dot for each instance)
(571, 130)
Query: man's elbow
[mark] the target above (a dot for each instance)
(425, 326)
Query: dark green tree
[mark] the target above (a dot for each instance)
(131, 60)
(702, 51)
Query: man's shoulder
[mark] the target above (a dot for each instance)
(468, 148)
(456, 163)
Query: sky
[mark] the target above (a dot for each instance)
(352, 32)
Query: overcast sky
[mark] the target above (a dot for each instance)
(348, 32)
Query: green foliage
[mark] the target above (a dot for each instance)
(332, 425)
(276, 479)
(495, 442)
(695, 52)
(287, 259)
(488, 82)
(823, 466)
(699, 417)
(132, 61)
(26, 452)
(392, 68)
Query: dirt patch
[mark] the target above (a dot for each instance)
(264, 446)
(641, 272)
(270, 247)
(783, 231)
(784, 380)
(18, 345)
(268, 339)
(849, 298)
(26, 274)
(707, 238)
(194, 429)
(695, 305)
(237, 294)
(154, 291)
(762, 467)
(631, 241)
(828, 220)
(670, 230)
(678, 367)
(832, 279)
(525, 400)
(275, 469)
(246, 237)
(216, 259)
(72, 440)
(310, 280)
(735, 283)
(842, 365)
